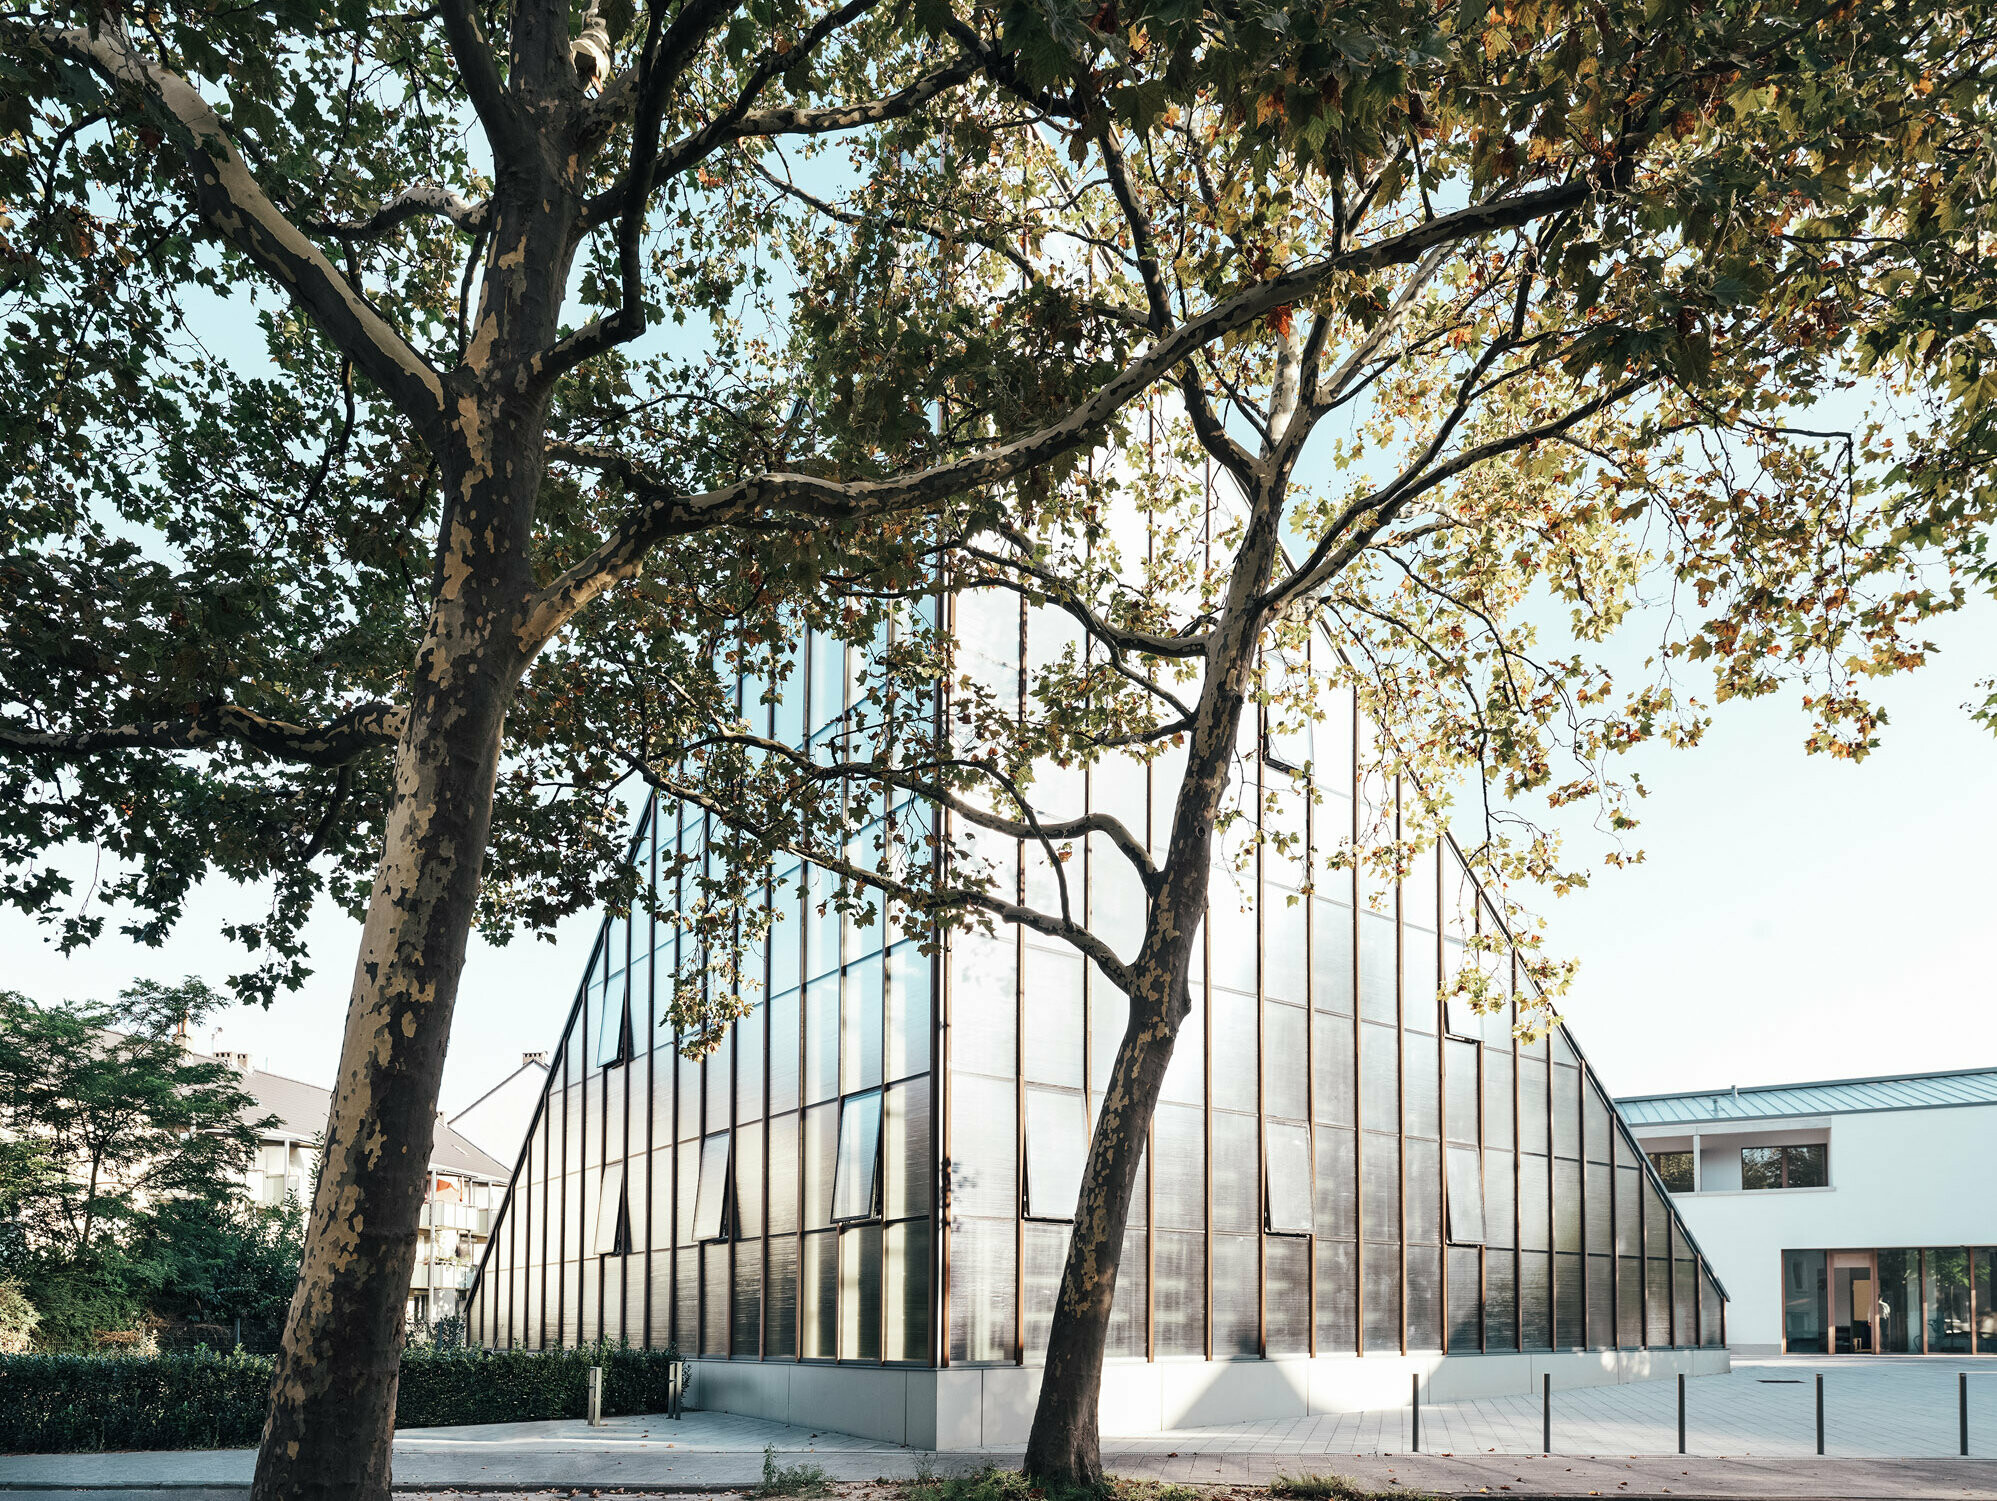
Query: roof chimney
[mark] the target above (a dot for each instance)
(240, 1062)
(527, 1060)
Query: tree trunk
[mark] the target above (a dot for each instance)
(332, 1413)
(1064, 1450)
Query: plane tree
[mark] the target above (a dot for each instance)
(1406, 482)
(359, 357)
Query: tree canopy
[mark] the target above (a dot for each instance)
(123, 1172)
(592, 346)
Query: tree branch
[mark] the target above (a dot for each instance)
(416, 202)
(368, 727)
(666, 512)
(235, 208)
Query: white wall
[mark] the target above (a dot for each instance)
(1898, 1178)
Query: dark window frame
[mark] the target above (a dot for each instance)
(1664, 1176)
(1783, 1157)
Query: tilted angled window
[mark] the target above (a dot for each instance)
(856, 1175)
(711, 1220)
(1057, 1151)
(613, 1025)
(1464, 1185)
(1286, 1157)
(612, 1235)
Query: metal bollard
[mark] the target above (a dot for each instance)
(1546, 1412)
(1820, 1412)
(1962, 1408)
(1681, 1412)
(1416, 1400)
(596, 1396)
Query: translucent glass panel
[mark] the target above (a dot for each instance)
(984, 1015)
(1179, 1157)
(909, 997)
(1287, 1169)
(860, 1293)
(860, 1025)
(1232, 1046)
(1379, 988)
(1464, 1318)
(1236, 1304)
(1057, 1146)
(1465, 1186)
(1052, 987)
(1331, 948)
(1501, 1301)
(818, 1313)
(1380, 1295)
(780, 1294)
(1179, 1298)
(746, 1319)
(1335, 1086)
(611, 1235)
(1285, 1061)
(1424, 1297)
(1337, 1188)
(1379, 1187)
(905, 1148)
(906, 1299)
(983, 1150)
(1287, 1296)
(981, 1290)
(1337, 1297)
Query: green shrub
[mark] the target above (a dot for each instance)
(62, 1404)
(790, 1480)
(17, 1317)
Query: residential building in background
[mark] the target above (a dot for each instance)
(497, 1120)
(466, 1183)
(1848, 1216)
(854, 1213)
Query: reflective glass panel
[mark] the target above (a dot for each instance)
(1466, 1196)
(856, 1179)
(1675, 1168)
(612, 1234)
(710, 1218)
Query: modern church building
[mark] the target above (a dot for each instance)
(854, 1214)
(1848, 1216)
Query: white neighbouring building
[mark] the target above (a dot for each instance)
(466, 1182)
(1845, 1216)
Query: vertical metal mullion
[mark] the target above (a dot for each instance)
(939, 1075)
(1019, 1049)
(1642, 1247)
(1518, 1148)
(1310, 1029)
(651, 1054)
(1401, 1064)
(1442, 1104)
(1359, 1257)
(1261, 1045)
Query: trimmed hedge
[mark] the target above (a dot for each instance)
(67, 1404)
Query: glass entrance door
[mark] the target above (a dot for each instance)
(1854, 1287)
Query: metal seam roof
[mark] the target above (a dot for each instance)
(1825, 1097)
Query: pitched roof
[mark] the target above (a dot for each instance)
(301, 1110)
(1976, 1086)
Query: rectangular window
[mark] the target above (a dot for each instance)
(1287, 1173)
(1675, 1168)
(1785, 1167)
(856, 1178)
(1057, 1149)
(1464, 1185)
(613, 1026)
(613, 1221)
(710, 1217)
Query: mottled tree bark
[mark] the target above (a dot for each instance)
(1064, 1450)
(332, 1413)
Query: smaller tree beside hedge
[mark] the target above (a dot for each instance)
(67, 1404)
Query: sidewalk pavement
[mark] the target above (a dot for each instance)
(725, 1453)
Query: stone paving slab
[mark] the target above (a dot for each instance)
(1891, 1432)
